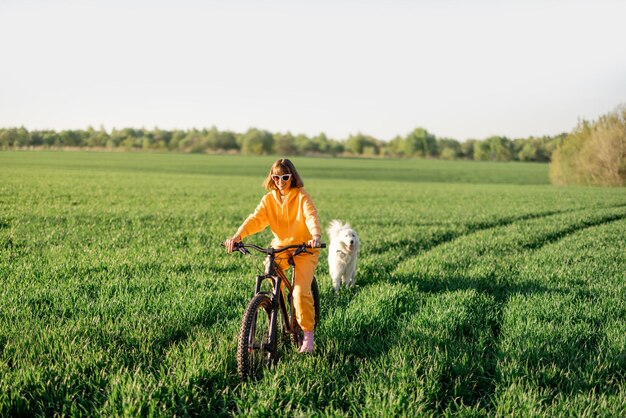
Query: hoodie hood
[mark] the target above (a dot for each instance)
(289, 195)
(293, 220)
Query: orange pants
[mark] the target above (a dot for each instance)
(305, 265)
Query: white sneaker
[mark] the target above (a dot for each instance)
(307, 344)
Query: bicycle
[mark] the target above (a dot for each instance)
(258, 339)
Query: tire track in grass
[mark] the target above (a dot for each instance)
(564, 233)
(472, 382)
(499, 239)
(434, 362)
(370, 320)
(358, 327)
(392, 254)
(491, 280)
(406, 248)
(556, 344)
(559, 347)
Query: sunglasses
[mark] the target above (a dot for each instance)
(283, 177)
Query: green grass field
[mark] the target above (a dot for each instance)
(482, 290)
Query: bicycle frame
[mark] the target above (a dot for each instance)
(277, 277)
(252, 347)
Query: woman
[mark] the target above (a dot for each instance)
(291, 215)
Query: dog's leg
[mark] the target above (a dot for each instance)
(332, 270)
(351, 274)
(336, 280)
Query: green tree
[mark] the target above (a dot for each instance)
(128, 138)
(177, 137)
(228, 140)
(212, 139)
(305, 145)
(481, 150)
(195, 141)
(73, 138)
(536, 149)
(23, 138)
(336, 147)
(395, 146)
(420, 143)
(594, 153)
(495, 148)
(467, 149)
(36, 138)
(15, 137)
(98, 138)
(500, 148)
(50, 138)
(285, 144)
(7, 138)
(116, 138)
(322, 143)
(160, 138)
(449, 149)
(357, 144)
(257, 142)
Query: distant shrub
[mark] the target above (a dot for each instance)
(593, 154)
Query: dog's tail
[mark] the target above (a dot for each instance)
(334, 227)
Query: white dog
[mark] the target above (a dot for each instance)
(342, 253)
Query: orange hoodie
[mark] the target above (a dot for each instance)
(292, 220)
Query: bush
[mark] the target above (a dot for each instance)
(593, 154)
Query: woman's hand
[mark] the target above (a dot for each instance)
(230, 243)
(315, 242)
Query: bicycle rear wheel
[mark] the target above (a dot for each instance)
(253, 348)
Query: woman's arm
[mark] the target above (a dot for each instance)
(257, 221)
(312, 221)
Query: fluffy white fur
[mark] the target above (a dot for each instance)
(342, 253)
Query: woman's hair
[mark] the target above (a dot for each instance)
(283, 166)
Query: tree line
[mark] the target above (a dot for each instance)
(593, 154)
(418, 143)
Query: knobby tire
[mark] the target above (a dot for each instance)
(256, 321)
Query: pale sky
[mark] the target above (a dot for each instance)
(460, 69)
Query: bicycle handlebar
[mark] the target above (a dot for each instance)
(270, 250)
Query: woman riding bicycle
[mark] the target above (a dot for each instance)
(291, 215)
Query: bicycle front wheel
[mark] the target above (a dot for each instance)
(254, 350)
